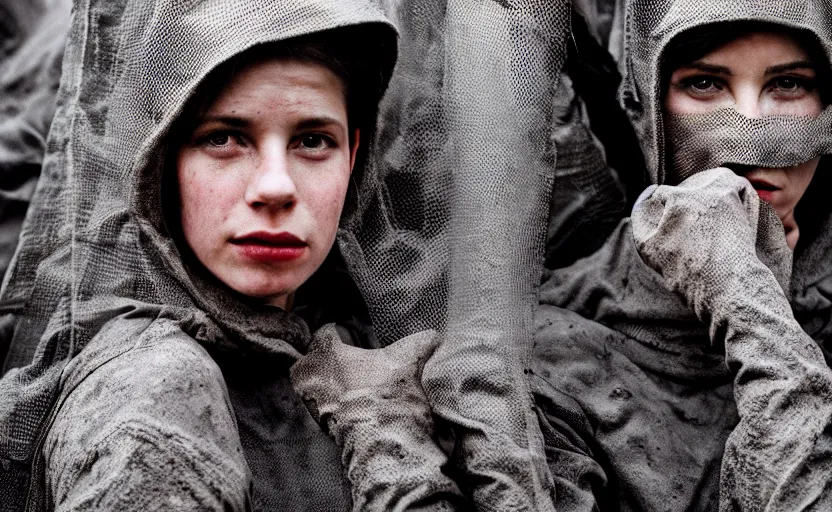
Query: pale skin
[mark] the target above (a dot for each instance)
(270, 159)
(759, 74)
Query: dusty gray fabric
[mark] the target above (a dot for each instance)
(778, 456)
(725, 137)
(95, 254)
(160, 394)
(635, 403)
(373, 404)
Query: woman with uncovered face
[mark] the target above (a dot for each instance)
(220, 183)
(671, 372)
(264, 176)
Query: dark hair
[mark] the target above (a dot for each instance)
(698, 42)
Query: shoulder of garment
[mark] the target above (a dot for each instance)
(143, 419)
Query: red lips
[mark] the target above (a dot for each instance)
(764, 188)
(268, 247)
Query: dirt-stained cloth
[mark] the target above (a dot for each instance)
(653, 398)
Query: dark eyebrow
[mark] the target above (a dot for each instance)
(318, 122)
(236, 122)
(782, 68)
(709, 68)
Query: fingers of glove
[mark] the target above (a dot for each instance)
(333, 372)
(351, 367)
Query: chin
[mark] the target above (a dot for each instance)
(261, 287)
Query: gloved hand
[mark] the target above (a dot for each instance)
(708, 231)
(709, 238)
(371, 402)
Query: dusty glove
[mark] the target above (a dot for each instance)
(707, 239)
(371, 402)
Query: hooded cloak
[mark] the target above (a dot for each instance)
(636, 400)
(143, 358)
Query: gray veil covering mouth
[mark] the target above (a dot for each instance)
(636, 397)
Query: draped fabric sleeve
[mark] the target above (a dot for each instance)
(779, 456)
(149, 429)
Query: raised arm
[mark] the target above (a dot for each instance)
(709, 238)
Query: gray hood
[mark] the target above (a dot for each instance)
(650, 27)
(94, 245)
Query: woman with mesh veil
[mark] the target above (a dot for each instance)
(678, 368)
(204, 159)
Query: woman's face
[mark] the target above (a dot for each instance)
(263, 177)
(759, 74)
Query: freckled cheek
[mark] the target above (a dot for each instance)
(325, 199)
(207, 196)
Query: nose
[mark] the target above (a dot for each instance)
(271, 184)
(748, 101)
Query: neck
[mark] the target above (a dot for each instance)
(792, 231)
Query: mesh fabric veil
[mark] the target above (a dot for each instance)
(467, 165)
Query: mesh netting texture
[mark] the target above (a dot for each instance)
(464, 189)
(726, 137)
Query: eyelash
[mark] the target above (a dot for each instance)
(231, 134)
(803, 83)
(328, 141)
